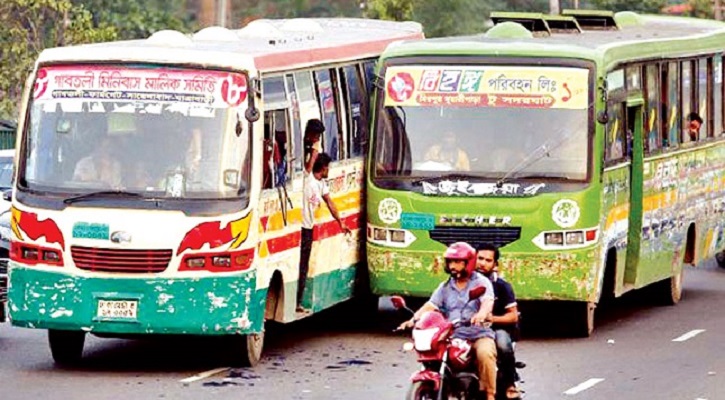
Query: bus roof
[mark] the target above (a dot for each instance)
(638, 37)
(265, 44)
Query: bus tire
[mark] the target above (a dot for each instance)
(248, 349)
(66, 346)
(669, 291)
(584, 319)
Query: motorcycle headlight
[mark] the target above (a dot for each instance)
(423, 338)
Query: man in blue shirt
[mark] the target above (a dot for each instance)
(451, 299)
(505, 315)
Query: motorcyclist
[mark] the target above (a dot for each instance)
(505, 316)
(451, 299)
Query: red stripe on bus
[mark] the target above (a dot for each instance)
(331, 54)
(321, 231)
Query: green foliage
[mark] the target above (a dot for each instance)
(642, 6)
(136, 19)
(396, 10)
(701, 9)
(246, 10)
(29, 26)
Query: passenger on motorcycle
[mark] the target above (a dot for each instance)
(505, 316)
(451, 299)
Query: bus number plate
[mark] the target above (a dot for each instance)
(117, 309)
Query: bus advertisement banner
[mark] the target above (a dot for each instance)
(100, 83)
(489, 86)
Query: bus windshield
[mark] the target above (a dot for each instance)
(167, 133)
(498, 123)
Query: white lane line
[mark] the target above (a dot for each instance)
(204, 375)
(583, 386)
(688, 335)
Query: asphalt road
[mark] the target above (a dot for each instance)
(638, 351)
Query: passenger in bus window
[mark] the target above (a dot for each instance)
(449, 153)
(315, 191)
(312, 143)
(695, 122)
(100, 166)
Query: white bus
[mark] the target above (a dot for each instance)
(159, 181)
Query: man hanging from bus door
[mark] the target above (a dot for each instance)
(504, 317)
(315, 190)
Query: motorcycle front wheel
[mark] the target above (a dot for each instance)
(422, 391)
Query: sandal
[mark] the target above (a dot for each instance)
(513, 393)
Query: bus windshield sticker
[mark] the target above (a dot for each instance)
(467, 188)
(212, 88)
(492, 86)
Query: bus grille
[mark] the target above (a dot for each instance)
(120, 260)
(475, 236)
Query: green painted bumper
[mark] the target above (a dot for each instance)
(195, 306)
(572, 275)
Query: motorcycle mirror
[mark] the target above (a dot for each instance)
(476, 292)
(398, 302)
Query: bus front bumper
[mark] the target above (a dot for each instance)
(572, 276)
(195, 306)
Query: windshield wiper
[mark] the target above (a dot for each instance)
(103, 193)
(544, 151)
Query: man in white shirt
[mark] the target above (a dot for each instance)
(314, 193)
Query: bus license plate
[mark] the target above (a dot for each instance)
(117, 308)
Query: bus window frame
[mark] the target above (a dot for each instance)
(362, 124)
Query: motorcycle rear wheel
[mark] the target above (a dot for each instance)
(421, 391)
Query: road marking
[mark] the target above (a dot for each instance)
(688, 335)
(204, 375)
(583, 386)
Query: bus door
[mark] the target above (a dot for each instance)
(635, 154)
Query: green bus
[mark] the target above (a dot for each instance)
(589, 145)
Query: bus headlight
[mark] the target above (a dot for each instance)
(391, 237)
(564, 240)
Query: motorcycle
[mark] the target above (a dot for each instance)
(448, 364)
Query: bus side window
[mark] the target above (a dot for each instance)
(309, 108)
(687, 99)
(275, 101)
(329, 107)
(355, 100)
(717, 95)
(670, 108)
(652, 96)
(615, 142)
(702, 96)
(295, 127)
(369, 70)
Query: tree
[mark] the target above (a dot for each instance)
(137, 19)
(441, 17)
(643, 6)
(29, 26)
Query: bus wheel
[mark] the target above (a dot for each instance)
(584, 319)
(66, 346)
(249, 349)
(670, 290)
